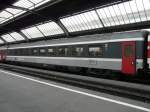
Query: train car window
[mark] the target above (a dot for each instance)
(128, 52)
(63, 51)
(35, 51)
(19, 51)
(8, 52)
(77, 51)
(96, 51)
(23, 52)
(11, 52)
(16, 52)
(28, 52)
(51, 52)
(42, 51)
(66, 51)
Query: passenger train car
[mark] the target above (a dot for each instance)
(2, 56)
(126, 52)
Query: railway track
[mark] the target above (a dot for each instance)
(139, 92)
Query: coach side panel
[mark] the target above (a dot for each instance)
(110, 58)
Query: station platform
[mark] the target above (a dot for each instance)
(20, 93)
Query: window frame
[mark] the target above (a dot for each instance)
(35, 54)
(54, 51)
(78, 46)
(96, 45)
(129, 51)
(64, 55)
(43, 54)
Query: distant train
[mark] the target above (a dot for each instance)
(126, 52)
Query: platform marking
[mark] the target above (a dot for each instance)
(80, 92)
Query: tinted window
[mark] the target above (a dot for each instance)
(25, 52)
(17, 51)
(63, 51)
(34, 51)
(9, 52)
(96, 51)
(51, 51)
(42, 51)
(28, 51)
(77, 51)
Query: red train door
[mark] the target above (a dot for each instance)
(129, 57)
(1, 56)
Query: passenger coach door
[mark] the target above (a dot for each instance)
(128, 57)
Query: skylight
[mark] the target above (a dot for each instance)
(4, 15)
(10, 13)
(84, 21)
(46, 29)
(1, 42)
(13, 11)
(8, 38)
(32, 32)
(24, 3)
(50, 28)
(124, 13)
(16, 36)
(12, 37)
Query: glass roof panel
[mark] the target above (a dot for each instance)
(41, 2)
(84, 21)
(1, 19)
(135, 10)
(108, 15)
(26, 34)
(30, 4)
(8, 38)
(113, 14)
(32, 32)
(103, 16)
(129, 13)
(17, 36)
(124, 13)
(36, 1)
(10, 13)
(50, 28)
(5, 14)
(13, 11)
(146, 5)
(24, 4)
(1, 42)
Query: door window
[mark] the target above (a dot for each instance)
(129, 52)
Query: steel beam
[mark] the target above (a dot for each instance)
(23, 35)
(62, 27)
(5, 42)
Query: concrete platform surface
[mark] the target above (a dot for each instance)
(19, 93)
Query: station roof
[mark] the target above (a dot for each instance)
(31, 20)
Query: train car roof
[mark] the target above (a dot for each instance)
(137, 34)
